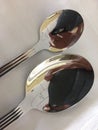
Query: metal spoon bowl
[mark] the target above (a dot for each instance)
(60, 82)
(55, 85)
(59, 31)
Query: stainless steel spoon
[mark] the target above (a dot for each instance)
(54, 85)
(59, 31)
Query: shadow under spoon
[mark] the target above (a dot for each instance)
(59, 31)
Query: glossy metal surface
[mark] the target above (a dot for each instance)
(69, 79)
(55, 85)
(59, 31)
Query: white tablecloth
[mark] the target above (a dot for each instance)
(19, 30)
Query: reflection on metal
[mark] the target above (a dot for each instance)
(64, 29)
(59, 31)
(69, 79)
(54, 85)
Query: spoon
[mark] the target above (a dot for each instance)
(59, 31)
(67, 79)
(54, 85)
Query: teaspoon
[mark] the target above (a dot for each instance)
(59, 31)
(54, 85)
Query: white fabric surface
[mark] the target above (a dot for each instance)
(19, 30)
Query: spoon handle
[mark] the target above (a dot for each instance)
(13, 63)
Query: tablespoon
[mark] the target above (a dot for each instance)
(54, 85)
(59, 31)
